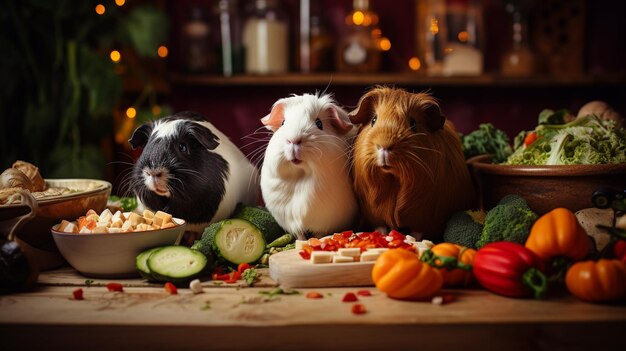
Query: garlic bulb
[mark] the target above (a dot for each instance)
(14, 178)
(31, 172)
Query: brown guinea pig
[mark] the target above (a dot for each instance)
(409, 169)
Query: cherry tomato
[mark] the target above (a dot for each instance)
(349, 297)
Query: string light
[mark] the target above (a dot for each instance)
(434, 26)
(115, 56)
(385, 44)
(162, 51)
(131, 112)
(100, 9)
(358, 17)
(415, 64)
(120, 2)
(463, 36)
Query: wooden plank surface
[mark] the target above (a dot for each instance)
(240, 318)
(289, 269)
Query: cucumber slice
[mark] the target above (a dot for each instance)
(236, 241)
(262, 219)
(176, 264)
(141, 262)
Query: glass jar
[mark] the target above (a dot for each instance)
(463, 52)
(196, 41)
(358, 50)
(266, 39)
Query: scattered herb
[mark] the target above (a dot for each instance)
(279, 291)
(250, 275)
(218, 283)
(207, 306)
(88, 282)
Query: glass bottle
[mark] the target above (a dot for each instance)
(463, 53)
(230, 52)
(315, 52)
(435, 36)
(519, 60)
(265, 38)
(196, 41)
(358, 50)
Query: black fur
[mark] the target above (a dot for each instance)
(195, 197)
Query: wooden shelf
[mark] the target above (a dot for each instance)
(407, 79)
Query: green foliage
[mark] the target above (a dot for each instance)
(510, 220)
(585, 140)
(487, 139)
(59, 85)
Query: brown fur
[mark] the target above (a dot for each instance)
(427, 180)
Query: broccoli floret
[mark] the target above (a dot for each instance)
(464, 228)
(510, 220)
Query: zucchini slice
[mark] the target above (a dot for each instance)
(176, 264)
(236, 241)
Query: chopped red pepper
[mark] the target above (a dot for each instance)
(305, 255)
(314, 295)
(170, 288)
(78, 294)
(115, 287)
(530, 138)
(357, 308)
(243, 267)
(349, 297)
(364, 293)
(233, 277)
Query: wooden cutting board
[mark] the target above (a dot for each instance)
(290, 270)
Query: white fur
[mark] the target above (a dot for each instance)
(316, 194)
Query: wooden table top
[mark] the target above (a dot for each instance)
(237, 317)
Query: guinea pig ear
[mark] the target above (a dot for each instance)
(336, 121)
(365, 109)
(141, 135)
(275, 119)
(432, 115)
(203, 135)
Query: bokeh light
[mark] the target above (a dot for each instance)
(115, 56)
(131, 112)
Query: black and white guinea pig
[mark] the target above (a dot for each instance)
(191, 170)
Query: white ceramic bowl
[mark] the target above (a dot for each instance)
(112, 255)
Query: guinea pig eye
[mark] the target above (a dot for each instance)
(413, 125)
(374, 120)
(182, 147)
(319, 124)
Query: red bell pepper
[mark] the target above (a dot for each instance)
(619, 250)
(243, 267)
(510, 269)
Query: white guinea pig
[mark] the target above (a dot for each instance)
(191, 170)
(305, 177)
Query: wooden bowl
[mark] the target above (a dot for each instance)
(544, 187)
(35, 234)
